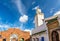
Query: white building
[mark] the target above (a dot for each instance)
(40, 33)
(46, 29)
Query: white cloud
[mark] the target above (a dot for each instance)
(33, 21)
(21, 8)
(51, 10)
(27, 30)
(57, 13)
(21, 26)
(23, 18)
(35, 7)
(4, 27)
(33, 2)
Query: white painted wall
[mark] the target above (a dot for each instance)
(45, 35)
(39, 29)
(40, 19)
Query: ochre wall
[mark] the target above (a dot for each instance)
(21, 34)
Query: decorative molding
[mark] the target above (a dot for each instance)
(39, 32)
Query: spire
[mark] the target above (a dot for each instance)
(38, 10)
(39, 17)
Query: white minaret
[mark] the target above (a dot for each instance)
(39, 18)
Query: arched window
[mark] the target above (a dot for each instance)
(55, 36)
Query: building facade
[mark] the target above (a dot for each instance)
(14, 34)
(53, 24)
(47, 29)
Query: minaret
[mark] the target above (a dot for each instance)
(39, 18)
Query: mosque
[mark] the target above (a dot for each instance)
(46, 29)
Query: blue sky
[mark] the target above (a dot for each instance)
(12, 12)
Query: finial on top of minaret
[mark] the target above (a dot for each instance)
(39, 17)
(38, 10)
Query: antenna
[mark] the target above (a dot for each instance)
(38, 11)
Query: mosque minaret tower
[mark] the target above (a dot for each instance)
(39, 17)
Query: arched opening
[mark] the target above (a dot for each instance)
(55, 36)
(13, 37)
(33, 39)
(4, 39)
(37, 39)
(22, 39)
(0, 36)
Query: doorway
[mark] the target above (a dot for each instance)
(42, 38)
(13, 37)
(22, 39)
(55, 36)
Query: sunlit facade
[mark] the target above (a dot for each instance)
(14, 34)
(47, 29)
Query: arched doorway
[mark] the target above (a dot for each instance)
(55, 36)
(13, 37)
(4, 39)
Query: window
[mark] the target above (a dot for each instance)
(42, 38)
(4, 39)
(55, 36)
